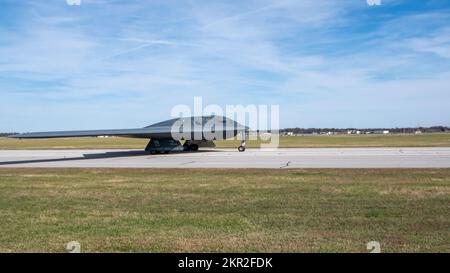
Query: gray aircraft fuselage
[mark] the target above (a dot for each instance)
(166, 135)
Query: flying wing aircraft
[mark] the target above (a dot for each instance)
(165, 136)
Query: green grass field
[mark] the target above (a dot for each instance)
(109, 210)
(425, 140)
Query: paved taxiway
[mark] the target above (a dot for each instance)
(231, 158)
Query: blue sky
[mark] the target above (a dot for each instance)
(121, 64)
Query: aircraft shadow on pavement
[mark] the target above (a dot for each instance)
(98, 156)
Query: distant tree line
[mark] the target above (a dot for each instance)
(407, 130)
(6, 134)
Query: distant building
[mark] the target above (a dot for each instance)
(380, 132)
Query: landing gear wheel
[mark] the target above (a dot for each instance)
(241, 149)
(193, 147)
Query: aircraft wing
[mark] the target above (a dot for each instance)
(159, 130)
(134, 133)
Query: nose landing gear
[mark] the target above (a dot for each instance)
(242, 146)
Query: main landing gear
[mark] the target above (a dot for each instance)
(190, 147)
(163, 146)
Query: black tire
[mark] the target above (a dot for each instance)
(241, 149)
(193, 147)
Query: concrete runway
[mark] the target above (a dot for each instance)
(231, 158)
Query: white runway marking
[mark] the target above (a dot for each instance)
(231, 158)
